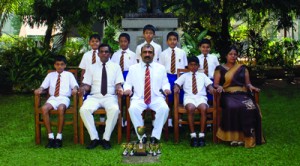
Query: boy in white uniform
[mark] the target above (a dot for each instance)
(194, 86)
(61, 85)
(148, 33)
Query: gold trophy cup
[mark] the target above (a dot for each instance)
(140, 147)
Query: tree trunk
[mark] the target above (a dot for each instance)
(48, 35)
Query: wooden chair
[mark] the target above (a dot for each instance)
(179, 109)
(100, 111)
(71, 110)
(219, 109)
(128, 128)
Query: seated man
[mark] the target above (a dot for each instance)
(103, 80)
(148, 80)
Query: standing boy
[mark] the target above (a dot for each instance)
(124, 56)
(90, 57)
(61, 84)
(194, 87)
(148, 33)
(173, 58)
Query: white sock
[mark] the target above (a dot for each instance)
(193, 135)
(51, 136)
(180, 120)
(59, 136)
(170, 123)
(201, 135)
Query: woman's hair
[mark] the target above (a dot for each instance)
(232, 48)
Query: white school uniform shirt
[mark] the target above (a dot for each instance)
(67, 83)
(202, 81)
(136, 79)
(157, 51)
(129, 58)
(87, 59)
(93, 77)
(212, 62)
(180, 56)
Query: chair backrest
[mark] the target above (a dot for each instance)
(181, 71)
(73, 71)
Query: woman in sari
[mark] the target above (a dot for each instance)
(241, 118)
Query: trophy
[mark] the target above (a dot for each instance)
(140, 147)
(130, 149)
(124, 146)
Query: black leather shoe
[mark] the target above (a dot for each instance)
(50, 144)
(153, 140)
(94, 143)
(58, 143)
(106, 144)
(201, 142)
(194, 142)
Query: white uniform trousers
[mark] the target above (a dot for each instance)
(90, 105)
(159, 105)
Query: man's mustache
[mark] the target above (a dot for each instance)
(147, 57)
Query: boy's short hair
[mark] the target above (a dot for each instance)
(105, 45)
(193, 59)
(95, 36)
(204, 41)
(172, 34)
(126, 35)
(149, 27)
(60, 58)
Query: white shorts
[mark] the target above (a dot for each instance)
(56, 101)
(195, 100)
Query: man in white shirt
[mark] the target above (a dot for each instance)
(148, 33)
(148, 80)
(104, 81)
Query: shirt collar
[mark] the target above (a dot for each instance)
(172, 48)
(126, 51)
(144, 64)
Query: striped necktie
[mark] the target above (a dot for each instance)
(94, 57)
(57, 86)
(205, 65)
(122, 60)
(173, 62)
(147, 88)
(194, 84)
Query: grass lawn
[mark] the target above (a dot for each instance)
(280, 107)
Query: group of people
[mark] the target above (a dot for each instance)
(148, 76)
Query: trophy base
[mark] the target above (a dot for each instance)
(140, 154)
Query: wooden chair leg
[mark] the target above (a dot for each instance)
(176, 128)
(81, 134)
(37, 129)
(75, 128)
(166, 131)
(119, 128)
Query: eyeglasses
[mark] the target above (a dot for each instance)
(106, 51)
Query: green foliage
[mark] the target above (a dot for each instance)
(190, 43)
(24, 64)
(110, 37)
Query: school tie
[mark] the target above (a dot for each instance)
(205, 65)
(122, 60)
(147, 89)
(173, 62)
(94, 57)
(194, 84)
(57, 86)
(104, 81)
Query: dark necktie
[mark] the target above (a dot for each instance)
(104, 80)
(205, 65)
(94, 57)
(194, 84)
(147, 88)
(57, 86)
(122, 60)
(173, 62)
